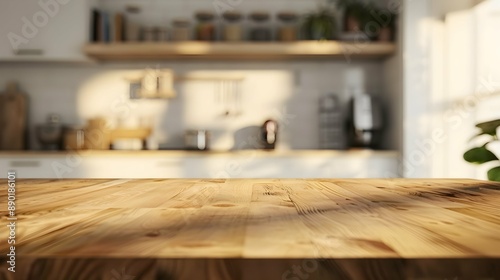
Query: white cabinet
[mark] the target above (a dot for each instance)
(117, 167)
(346, 167)
(33, 168)
(238, 165)
(74, 166)
(44, 30)
(251, 166)
(242, 166)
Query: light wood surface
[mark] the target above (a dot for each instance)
(123, 133)
(257, 229)
(186, 153)
(239, 51)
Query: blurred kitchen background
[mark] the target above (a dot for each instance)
(246, 89)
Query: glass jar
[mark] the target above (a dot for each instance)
(132, 25)
(74, 138)
(181, 30)
(233, 31)
(260, 31)
(162, 34)
(149, 34)
(288, 29)
(205, 31)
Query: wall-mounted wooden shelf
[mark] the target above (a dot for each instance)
(239, 51)
(361, 153)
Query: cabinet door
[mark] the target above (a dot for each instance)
(29, 168)
(168, 168)
(243, 166)
(73, 166)
(346, 167)
(49, 30)
(126, 168)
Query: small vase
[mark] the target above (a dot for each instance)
(385, 34)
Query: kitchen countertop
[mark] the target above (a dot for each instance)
(256, 229)
(184, 153)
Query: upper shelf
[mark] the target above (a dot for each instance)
(239, 51)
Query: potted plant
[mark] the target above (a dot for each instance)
(356, 15)
(387, 32)
(482, 154)
(320, 25)
(386, 23)
(366, 17)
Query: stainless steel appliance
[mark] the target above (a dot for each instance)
(331, 123)
(50, 134)
(269, 133)
(197, 140)
(365, 121)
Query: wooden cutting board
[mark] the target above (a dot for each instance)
(13, 118)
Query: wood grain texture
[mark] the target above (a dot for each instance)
(211, 153)
(256, 229)
(239, 50)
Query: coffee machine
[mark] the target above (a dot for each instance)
(365, 121)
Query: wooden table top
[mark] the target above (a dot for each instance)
(273, 218)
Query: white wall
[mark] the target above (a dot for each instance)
(393, 83)
(287, 91)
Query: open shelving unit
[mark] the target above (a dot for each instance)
(240, 50)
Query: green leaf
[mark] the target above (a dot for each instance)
(489, 128)
(479, 155)
(320, 25)
(494, 174)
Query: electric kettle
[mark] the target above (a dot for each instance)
(269, 133)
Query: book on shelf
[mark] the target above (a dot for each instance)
(107, 28)
(118, 28)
